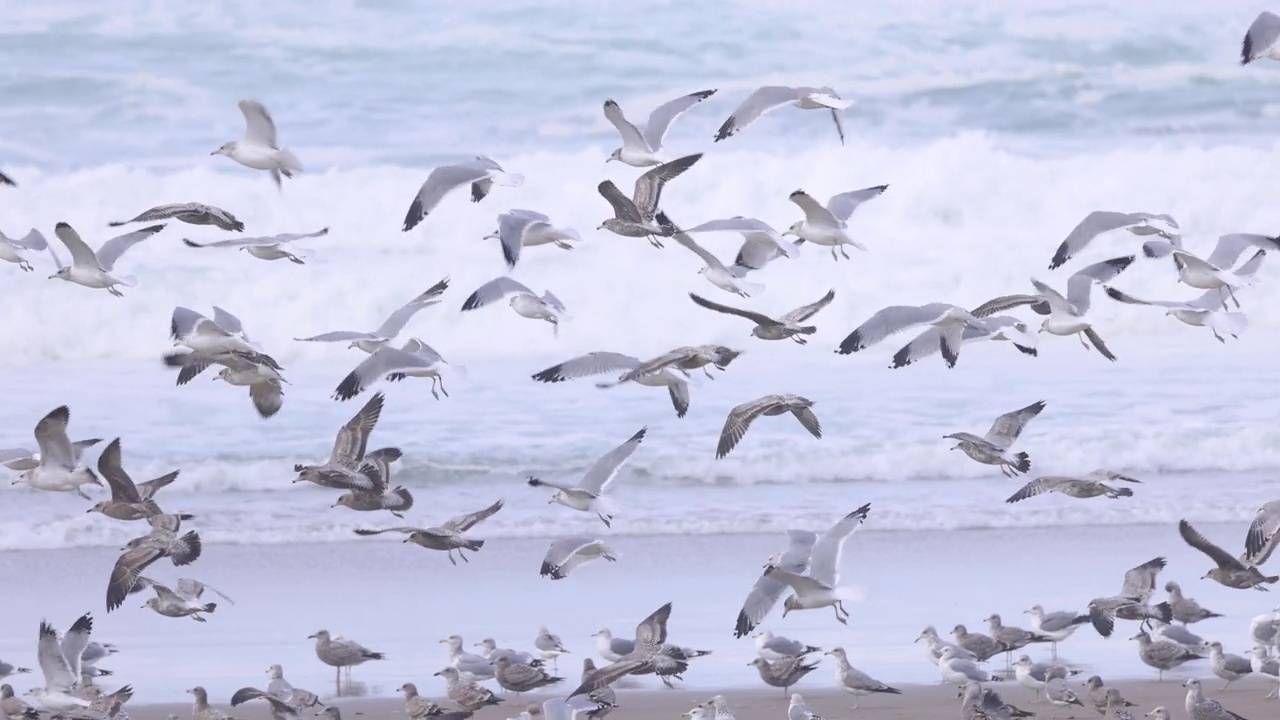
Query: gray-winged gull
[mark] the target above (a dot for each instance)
(588, 495)
(742, 416)
(643, 147)
(772, 97)
(993, 448)
(95, 269)
(786, 326)
(448, 537)
(267, 247)
(565, 554)
(855, 682)
(340, 653)
(481, 174)
(390, 328)
(827, 225)
(260, 149)
(518, 229)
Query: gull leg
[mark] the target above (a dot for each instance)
(25, 265)
(1231, 293)
(844, 253)
(562, 244)
(451, 560)
(605, 519)
(117, 293)
(463, 556)
(707, 372)
(834, 256)
(81, 493)
(1080, 337)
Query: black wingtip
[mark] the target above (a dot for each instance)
(62, 225)
(1059, 257)
(1023, 463)
(901, 359)
(704, 94)
(726, 130)
(82, 624)
(472, 302)
(6, 180)
(551, 571)
(639, 434)
(1113, 293)
(1246, 49)
(414, 216)
(851, 344)
(348, 388)
(534, 482)
(550, 375)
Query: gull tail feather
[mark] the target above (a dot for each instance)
(289, 162)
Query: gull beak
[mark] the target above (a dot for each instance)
(89, 510)
(444, 641)
(216, 152)
(335, 505)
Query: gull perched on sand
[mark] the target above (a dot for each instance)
(1231, 571)
(193, 213)
(447, 537)
(777, 647)
(993, 448)
(162, 541)
(1186, 610)
(643, 147)
(1132, 602)
(15, 708)
(548, 644)
(934, 645)
(470, 666)
(268, 247)
(855, 682)
(520, 677)
(1161, 630)
(59, 468)
(786, 326)
(340, 653)
(11, 250)
(1260, 40)
(958, 670)
(340, 471)
(979, 703)
(465, 693)
(821, 587)
(639, 215)
(1100, 222)
(951, 321)
(1162, 654)
(185, 600)
(1200, 707)
(597, 363)
(60, 664)
(382, 496)
(413, 359)
(94, 269)
(1264, 666)
(1057, 626)
(491, 652)
(568, 553)
(1056, 690)
(827, 225)
(390, 328)
(260, 148)
(481, 174)
(741, 417)
(524, 301)
(284, 691)
(772, 97)
(1092, 485)
(998, 327)
(761, 243)
(518, 229)
(1011, 637)
(129, 501)
(589, 494)
(982, 647)
(798, 709)
(1033, 675)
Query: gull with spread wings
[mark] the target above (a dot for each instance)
(518, 229)
(182, 601)
(741, 417)
(598, 363)
(382, 497)
(129, 501)
(1132, 602)
(643, 147)
(447, 537)
(1231, 571)
(767, 590)
(390, 328)
(525, 302)
(60, 662)
(761, 243)
(414, 359)
(785, 327)
(568, 553)
(998, 327)
(481, 174)
(268, 247)
(589, 494)
(1092, 485)
(1262, 40)
(1100, 222)
(11, 249)
(193, 213)
(827, 225)
(340, 471)
(94, 269)
(772, 97)
(163, 541)
(993, 448)
(639, 216)
(59, 468)
(260, 149)
(951, 321)
(646, 656)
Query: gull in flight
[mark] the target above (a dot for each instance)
(1203, 311)
(195, 331)
(390, 328)
(589, 494)
(761, 243)
(785, 327)
(447, 537)
(598, 363)
(481, 174)
(518, 229)
(767, 590)
(20, 459)
(820, 587)
(1260, 41)
(139, 553)
(684, 359)
(259, 149)
(772, 97)
(642, 148)
(951, 321)
(648, 654)
(193, 213)
(636, 216)
(222, 341)
(524, 301)
(382, 496)
(414, 359)
(11, 250)
(183, 601)
(59, 469)
(93, 269)
(715, 271)
(568, 553)
(1132, 602)
(998, 327)
(1264, 534)
(1203, 274)
(6, 180)
(1092, 485)
(993, 448)
(1231, 571)
(60, 662)
(340, 471)
(129, 500)
(1100, 222)
(741, 417)
(827, 225)
(269, 247)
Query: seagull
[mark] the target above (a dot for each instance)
(6, 180)
(1131, 603)
(855, 682)
(193, 213)
(414, 359)
(549, 645)
(957, 669)
(340, 471)
(11, 249)
(60, 664)
(589, 494)
(1230, 572)
(1260, 40)
(684, 359)
(269, 247)
(259, 149)
(1263, 535)
(761, 243)
(263, 381)
(827, 225)
(1099, 222)
(1056, 625)
(597, 363)
(524, 301)
(183, 601)
(93, 269)
(996, 327)
(22, 459)
(775, 647)
(59, 469)
(636, 216)
(993, 448)
(766, 591)
(1203, 274)
(1163, 654)
(382, 496)
(641, 148)
(447, 537)
(741, 417)
(1186, 610)
(821, 586)
(1203, 311)
(950, 320)
(280, 710)
(518, 229)
(568, 553)
(785, 327)
(1091, 485)
(772, 97)
(390, 328)
(163, 541)
(715, 271)
(339, 653)
(481, 174)
(129, 500)
(645, 656)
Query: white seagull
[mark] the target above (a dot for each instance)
(826, 225)
(524, 301)
(951, 321)
(93, 269)
(821, 586)
(1260, 40)
(998, 327)
(761, 243)
(390, 328)
(598, 363)
(414, 359)
(481, 174)
(589, 494)
(60, 663)
(715, 271)
(11, 249)
(270, 247)
(568, 553)
(59, 469)
(642, 148)
(259, 149)
(772, 97)
(1099, 222)
(519, 229)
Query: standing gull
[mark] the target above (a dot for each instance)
(1056, 625)
(787, 326)
(761, 243)
(465, 693)
(192, 213)
(268, 247)
(339, 653)
(1231, 571)
(1265, 667)
(643, 147)
(827, 225)
(934, 645)
(1099, 695)
(715, 271)
(1162, 654)
(979, 703)
(993, 448)
(568, 553)
(589, 494)
(785, 672)
(413, 359)
(518, 229)
(1056, 690)
(282, 689)
(94, 269)
(470, 666)
(957, 670)
(1011, 637)
(821, 586)
(1091, 485)
(520, 677)
(597, 363)
(1132, 602)
(481, 174)
(260, 149)
(548, 645)
(202, 710)
(59, 469)
(741, 417)
(15, 708)
(1186, 610)
(982, 646)
(1200, 707)
(390, 328)
(1226, 666)
(524, 301)
(605, 700)
(798, 709)
(11, 250)
(636, 216)
(855, 682)
(280, 710)
(1260, 40)
(418, 707)
(1099, 222)
(449, 536)
(772, 97)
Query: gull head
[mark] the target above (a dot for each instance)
(1044, 326)
(153, 603)
(615, 155)
(23, 477)
(794, 229)
(226, 149)
(100, 507)
(344, 499)
(223, 374)
(491, 236)
(63, 272)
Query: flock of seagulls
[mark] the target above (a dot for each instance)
(805, 575)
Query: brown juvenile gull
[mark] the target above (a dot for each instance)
(382, 496)
(390, 328)
(605, 699)
(340, 653)
(283, 690)
(59, 468)
(993, 448)
(776, 647)
(568, 553)
(1200, 707)
(783, 673)
(638, 216)
(192, 212)
(140, 552)
(983, 647)
(1013, 637)
(128, 501)
(646, 655)
(979, 703)
(481, 174)
(447, 537)
(202, 710)
(1186, 610)
(1089, 486)
(520, 677)
(741, 417)
(280, 710)
(786, 326)
(1162, 654)
(418, 707)
(1098, 694)
(15, 708)
(1117, 708)
(684, 359)
(588, 495)
(1227, 666)
(855, 682)
(340, 471)
(465, 693)
(1230, 572)
(184, 601)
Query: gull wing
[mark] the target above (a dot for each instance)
(233, 242)
(602, 473)
(54, 666)
(33, 240)
(512, 228)
(1193, 538)
(51, 437)
(379, 364)
(631, 135)
(494, 290)
(193, 589)
(825, 562)
(755, 317)
(1231, 246)
(805, 312)
(1120, 296)
(623, 207)
(739, 421)
(398, 319)
(842, 206)
(259, 129)
(763, 100)
(1057, 303)
(1262, 538)
(75, 641)
(1009, 302)
(440, 182)
(595, 363)
(1140, 582)
(1006, 429)
(1039, 486)
(1080, 283)
(707, 257)
(109, 466)
(890, 320)
(112, 249)
(767, 590)
(353, 437)
(463, 523)
(814, 212)
(80, 252)
(662, 116)
(125, 573)
(402, 529)
(649, 185)
(1263, 33)
(1093, 225)
(651, 633)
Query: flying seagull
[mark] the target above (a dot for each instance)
(772, 97)
(785, 327)
(193, 213)
(481, 174)
(260, 149)
(993, 448)
(642, 147)
(639, 215)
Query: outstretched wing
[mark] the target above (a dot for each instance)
(649, 185)
(805, 312)
(842, 206)
(1006, 429)
(755, 317)
(825, 563)
(602, 473)
(1193, 538)
(1140, 582)
(463, 523)
(665, 114)
(112, 249)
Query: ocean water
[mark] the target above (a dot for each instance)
(997, 127)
